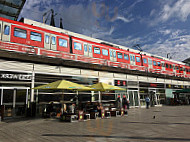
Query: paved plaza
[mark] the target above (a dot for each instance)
(171, 123)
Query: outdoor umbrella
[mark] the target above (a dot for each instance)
(64, 85)
(102, 87)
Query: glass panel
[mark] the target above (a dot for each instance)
(0, 28)
(166, 65)
(20, 102)
(154, 63)
(53, 42)
(90, 48)
(145, 61)
(126, 57)
(96, 50)
(77, 46)
(8, 102)
(134, 58)
(150, 61)
(136, 98)
(111, 53)
(138, 59)
(19, 33)
(47, 39)
(6, 30)
(159, 64)
(105, 52)
(114, 54)
(131, 57)
(131, 98)
(62, 42)
(35, 36)
(119, 55)
(85, 48)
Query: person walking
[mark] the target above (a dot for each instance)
(147, 100)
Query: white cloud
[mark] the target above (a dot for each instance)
(126, 20)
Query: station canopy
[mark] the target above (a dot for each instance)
(10, 9)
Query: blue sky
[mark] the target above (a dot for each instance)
(159, 26)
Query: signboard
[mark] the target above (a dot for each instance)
(120, 83)
(14, 76)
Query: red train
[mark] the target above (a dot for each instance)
(35, 38)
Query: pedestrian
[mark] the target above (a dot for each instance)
(118, 102)
(147, 100)
(125, 102)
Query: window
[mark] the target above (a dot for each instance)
(150, 61)
(170, 66)
(145, 61)
(19, 33)
(138, 59)
(47, 39)
(177, 68)
(181, 69)
(0, 28)
(166, 65)
(105, 52)
(174, 67)
(126, 57)
(114, 54)
(133, 58)
(154, 63)
(111, 53)
(62, 42)
(90, 48)
(159, 64)
(35, 36)
(53, 42)
(85, 48)
(6, 29)
(77, 46)
(96, 50)
(119, 55)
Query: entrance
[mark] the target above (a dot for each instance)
(134, 98)
(13, 101)
(153, 97)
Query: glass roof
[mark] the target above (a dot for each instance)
(11, 8)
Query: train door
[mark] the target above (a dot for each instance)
(150, 63)
(163, 66)
(6, 31)
(87, 50)
(132, 59)
(47, 41)
(112, 55)
(1, 30)
(53, 42)
(174, 70)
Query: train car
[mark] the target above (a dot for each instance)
(27, 38)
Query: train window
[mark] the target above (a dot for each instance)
(149, 61)
(47, 39)
(96, 50)
(154, 63)
(177, 68)
(62, 42)
(145, 61)
(53, 40)
(90, 48)
(159, 64)
(134, 58)
(138, 59)
(105, 52)
(35, 36)
(77, 46)
(6, 29)
(170, 66)
(174, 67)
(181, 69)
(166, 65)
(114, 54)
(85, 48)
(119, 55)
(126, 57)
(19, 33)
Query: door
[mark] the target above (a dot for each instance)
(134, 97)
(150, 63)
(153, 97)
(112, 55)
(1, 30)
(53, 42)
(6, 31)
(132, 59)
(47, 41)
(87, 50)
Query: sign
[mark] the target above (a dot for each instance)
(120, 83)
(15, 76)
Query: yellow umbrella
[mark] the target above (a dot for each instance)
(64, 85)
(104, 87)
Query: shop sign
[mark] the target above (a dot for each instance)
(153, 85)
(16, 76)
